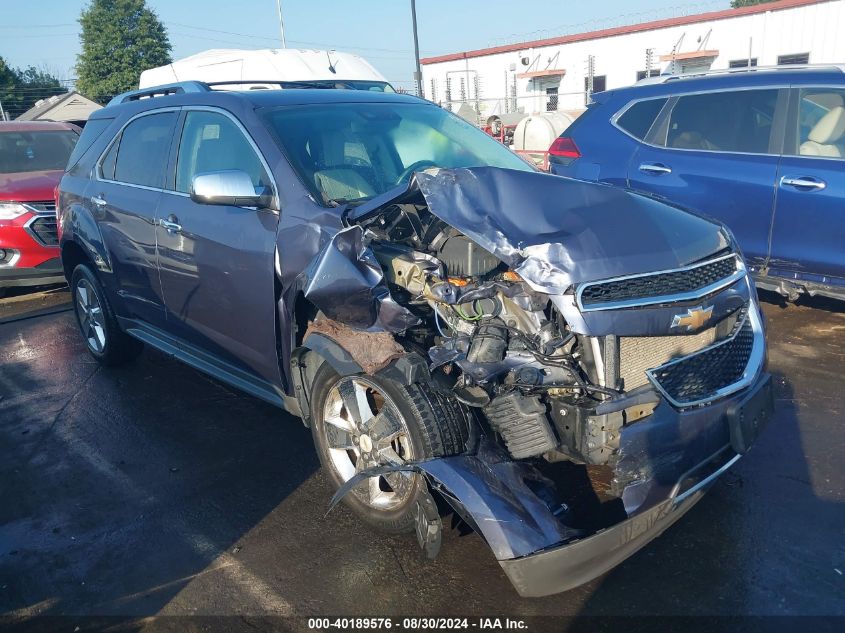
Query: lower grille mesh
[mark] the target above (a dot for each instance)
(700, 377)
(45, 230)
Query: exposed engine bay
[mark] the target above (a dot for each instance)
(502, 346)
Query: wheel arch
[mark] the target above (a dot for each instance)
(72, 255)
(317, 340)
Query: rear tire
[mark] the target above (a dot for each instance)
(426, 423)
(103, 337)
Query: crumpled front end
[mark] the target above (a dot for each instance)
(609, 349)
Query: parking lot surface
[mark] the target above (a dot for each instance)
(152, 489)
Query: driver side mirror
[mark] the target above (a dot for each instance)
(230, 187)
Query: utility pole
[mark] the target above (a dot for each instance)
(418, 73)
(281, 23)
(588, 83)
(2, 113)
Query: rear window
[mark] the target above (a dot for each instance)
(142, 152)
(35, 151)
(90, 133)
(637, 119)
(734, 121)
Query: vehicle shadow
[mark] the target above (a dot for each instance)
(119, 486)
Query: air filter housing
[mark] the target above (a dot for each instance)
(464, 258)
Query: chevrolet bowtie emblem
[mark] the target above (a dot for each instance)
(693, 319)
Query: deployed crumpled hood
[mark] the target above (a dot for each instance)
(556, 231)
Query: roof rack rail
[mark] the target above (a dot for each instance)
(741, 69)
(188, 87)
(182, 87)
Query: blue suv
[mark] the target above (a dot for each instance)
(762, 150)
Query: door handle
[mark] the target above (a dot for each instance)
(655, 168)
(803, 182)
(171, 224)
(97, 200)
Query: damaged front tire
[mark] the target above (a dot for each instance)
(364, 421)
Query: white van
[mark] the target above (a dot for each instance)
(270, 68)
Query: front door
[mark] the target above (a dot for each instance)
(717, 154)
(217, 262)
(808, 235)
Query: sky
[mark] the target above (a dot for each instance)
(45, 33)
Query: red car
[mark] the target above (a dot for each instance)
(33, 157)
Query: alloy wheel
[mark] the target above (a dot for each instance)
(90, 314)
(363, 429)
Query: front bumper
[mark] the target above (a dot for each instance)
(569, 566)
(36, 259)
(48, 272)
(666, 462)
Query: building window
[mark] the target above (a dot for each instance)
(551, 99)
(599, 85)
(797, 58)
(642, 74)
(742, 63)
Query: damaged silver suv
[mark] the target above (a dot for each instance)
(565, 365)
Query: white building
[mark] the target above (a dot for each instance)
(554, 73)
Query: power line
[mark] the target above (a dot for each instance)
(205, 38)
(607, 22)
(37, 26)
(43, 35)
(309, 43)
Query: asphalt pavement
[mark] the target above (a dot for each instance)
(154, 490)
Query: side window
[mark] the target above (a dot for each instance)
(107, 166)
(734, 121)
(142, 150)
(637, 119)
(90, 133)
(821, 123)
(212, 142)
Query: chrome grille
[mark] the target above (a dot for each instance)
(673, 285)
(44, 206)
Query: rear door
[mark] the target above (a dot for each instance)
(124, 197)
(717, 153)
(808, 235)
(217, 267)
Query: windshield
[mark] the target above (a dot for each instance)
(344, 84)
(348, 152)
(35, 151)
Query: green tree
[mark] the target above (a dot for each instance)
(736, 4)
(8, 81)
(120, 39)
(20, 89)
